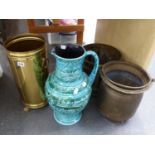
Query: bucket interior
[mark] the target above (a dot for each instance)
(126, 74)
(69, 51)
(25, 45)
(125, 78)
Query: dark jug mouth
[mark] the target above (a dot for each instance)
(69, 51)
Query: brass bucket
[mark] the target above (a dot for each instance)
(27, 57)
(121, 89)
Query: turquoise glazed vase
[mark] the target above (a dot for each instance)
(68, 88)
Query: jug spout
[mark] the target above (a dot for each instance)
(61, 47)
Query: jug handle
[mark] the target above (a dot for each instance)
(96, 66)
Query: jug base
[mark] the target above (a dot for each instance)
(67, 119)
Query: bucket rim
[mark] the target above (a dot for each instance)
(123, 90)
(105, 77)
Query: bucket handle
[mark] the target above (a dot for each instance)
(96, 66)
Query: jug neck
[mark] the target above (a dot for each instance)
(69, 61)
(69, 70)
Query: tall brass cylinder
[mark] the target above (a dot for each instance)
(27, 57)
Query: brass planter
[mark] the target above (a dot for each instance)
(27, 57)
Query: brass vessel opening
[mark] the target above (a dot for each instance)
(25, 45)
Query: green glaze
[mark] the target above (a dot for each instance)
(68, 88)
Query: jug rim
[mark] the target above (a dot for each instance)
(68, 59)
